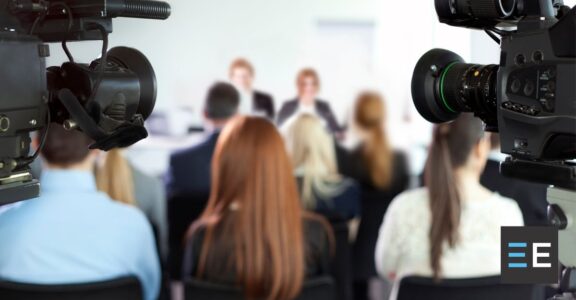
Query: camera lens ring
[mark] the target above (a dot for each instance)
(442, 86)
(506, 7)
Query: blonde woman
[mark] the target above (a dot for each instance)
(126, 184)
(322, 189)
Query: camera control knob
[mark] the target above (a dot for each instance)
(516, 86)
(529, 88)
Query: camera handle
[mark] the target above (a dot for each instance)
(562, 214)
(567, 288)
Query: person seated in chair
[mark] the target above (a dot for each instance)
(72, 233)
(322, 189)
(254, 235)
(188, 177)
(451, 227)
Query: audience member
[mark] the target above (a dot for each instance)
(322, 189)
(531, 197)
(308, 83)
(117, 177)
(188, 178)
(450, 228)
(252, 102)
(72, 233)
(382, 174)
(254, 232)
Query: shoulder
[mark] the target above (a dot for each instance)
(199, 149)
(290, 103)
(322, 104)
(410, 201)
(131, 218)
(262, 96)
(504, 203)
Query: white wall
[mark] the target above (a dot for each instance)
(194, 46)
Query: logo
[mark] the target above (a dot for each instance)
(529, 255)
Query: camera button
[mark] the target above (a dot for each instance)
(529, 88)
(516, 86)
(520, 59)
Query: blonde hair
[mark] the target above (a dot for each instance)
(313, 156)
(114, 177)
(377, 153)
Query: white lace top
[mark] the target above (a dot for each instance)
(403, 244)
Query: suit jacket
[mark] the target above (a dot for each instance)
(264, 103)
(188, 188)
(322, 109)
(531, 197)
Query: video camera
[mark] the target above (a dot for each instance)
(529, 98)
(108, 99)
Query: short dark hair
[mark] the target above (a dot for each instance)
(65, 147)
(222, 101)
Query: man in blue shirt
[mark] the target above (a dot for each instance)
(72, 233)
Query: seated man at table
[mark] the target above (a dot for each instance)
(72, 233)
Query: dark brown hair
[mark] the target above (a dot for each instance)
(65, 147)
(253, 220)
(451, 146)
(370, 115)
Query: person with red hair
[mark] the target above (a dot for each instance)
(254, 234)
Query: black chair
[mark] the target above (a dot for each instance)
(417, 288)
(341, 266)
(314, 289)
(182, 211)
(127, 288)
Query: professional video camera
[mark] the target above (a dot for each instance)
(529, 98)
(108, 99)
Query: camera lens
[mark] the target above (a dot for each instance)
(444, 86)
(476, 9)
(136, 62)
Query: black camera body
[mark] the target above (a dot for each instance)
(108, 99)
(529, 98)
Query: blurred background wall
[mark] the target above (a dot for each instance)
(354, 44)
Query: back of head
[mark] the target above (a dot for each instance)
(255, 202)
(451, 147)
(313, 156)
(369, 116)
(65, 148)
(222, 101)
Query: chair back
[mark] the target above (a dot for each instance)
(314, 289)
(416, 288)
(341, 266)
(127, 288)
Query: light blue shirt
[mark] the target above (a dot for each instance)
(74, 234)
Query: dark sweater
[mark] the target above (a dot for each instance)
(317, 254)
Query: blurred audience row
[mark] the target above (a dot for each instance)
(266, 203)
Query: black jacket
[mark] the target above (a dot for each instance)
(531, 197)
(188, 190)
(322, 109)
(374, 203)
(264, 103)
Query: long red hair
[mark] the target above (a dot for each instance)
(254, 206)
